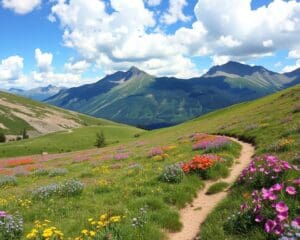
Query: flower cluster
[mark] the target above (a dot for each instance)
(7, 181)
(65, 189)
(283, 144)
(50, 172)
(121, 156)
(42, 231)
(105, 227)
(172, 174)
(200, 163)
(156, 151)
(264, 171)
(11, 227)
(160, 157)
(270, 206)
(19, 162)
(210, 142)
(169, 148)
(141, 219)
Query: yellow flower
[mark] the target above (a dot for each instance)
(84, 231)
(92, 233)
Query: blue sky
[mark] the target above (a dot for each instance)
(74, 42)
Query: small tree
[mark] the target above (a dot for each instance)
(2, 137)
(24, 134)
(100, 140)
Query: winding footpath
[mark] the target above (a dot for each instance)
(193, 215)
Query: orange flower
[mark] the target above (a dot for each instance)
(19, 162)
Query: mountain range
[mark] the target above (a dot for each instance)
(138, 98)
(39, 94)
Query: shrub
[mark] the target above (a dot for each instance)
(66, 189)
(2, 137)
(7, 181)
(172, 174)
(217, 187)
(11, 227)
(24, 134)
(100, 140)
(57, 172)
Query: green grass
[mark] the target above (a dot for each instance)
(116, 187)
(78, 139)
(133, 183)
(217, 187)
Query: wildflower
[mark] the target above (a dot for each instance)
(270, 225)
(291, 190)
(281, 207)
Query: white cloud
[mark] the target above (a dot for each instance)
(153, 3)
(77, 67)
(228, 31)
(11, 68)
(219, 60)
(175, 12)
(268, 43)
(118, 40)
(294, 54)
(21, 6)
(43, 60)
(229, 41)
(291, 68)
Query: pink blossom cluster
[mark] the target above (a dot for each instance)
(270, 208)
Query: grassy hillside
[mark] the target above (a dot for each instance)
(138, 185)
(17, 113)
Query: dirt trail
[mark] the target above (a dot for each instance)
(193, 215)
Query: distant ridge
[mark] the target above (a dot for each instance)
(138, 98)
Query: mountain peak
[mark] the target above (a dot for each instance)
(135, 70)
(237, 68)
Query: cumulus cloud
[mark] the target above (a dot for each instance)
(21, 6)
(121, 39)
(11, 68)
(175, 12)
(43, 60)
(153, 3)
(77, 67)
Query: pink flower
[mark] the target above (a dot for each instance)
(268, 194)
(282, 216)
(259, 218)
(297, 181)
(269, 225)
(296, 222)
(277, 187)
(291, 190)
(286, 165)
(278, 230)
(281, 207)
(243, 206)
(3, 214)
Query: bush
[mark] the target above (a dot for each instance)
(2, 137)
(24, 134)
(217, 187)
(65, 189)
(11, 227)
(57, 172)
(100, 140)
(172, 174)
(7, 181)
(239, 223)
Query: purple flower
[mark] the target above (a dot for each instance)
(244, 206)
(3, 214)
(269, 225)
(268, 194)
(278, 230)
(259, 218)
(297, 181)
(296, 222)
(286, 165)
(282, 216)
(277, 187)
(281, 207)
(291, 190)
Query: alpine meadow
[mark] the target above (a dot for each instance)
(150, 120)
